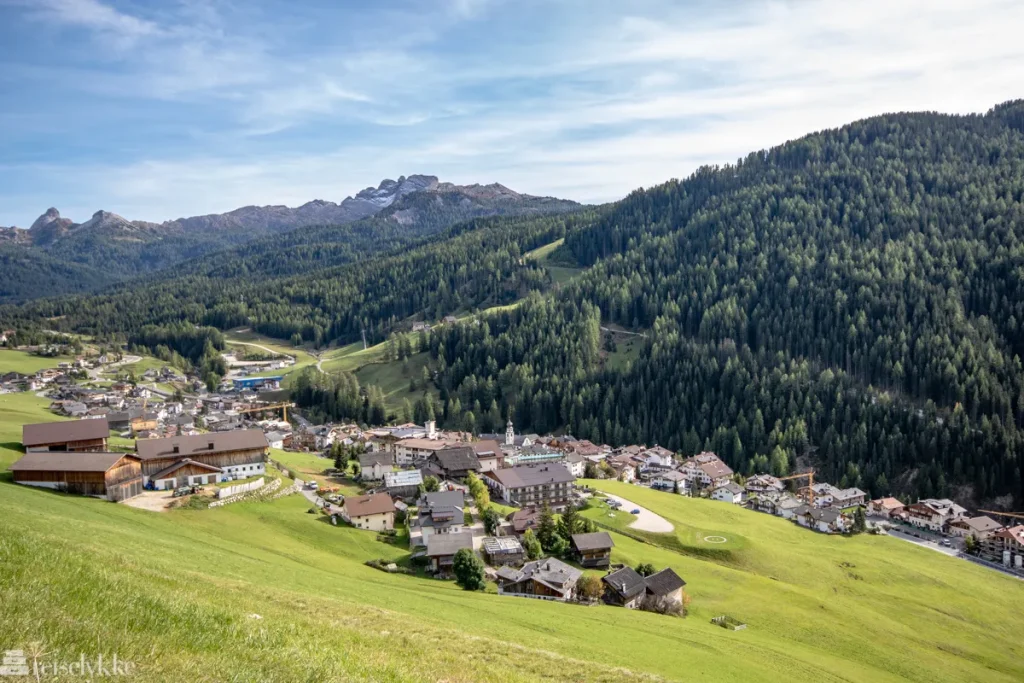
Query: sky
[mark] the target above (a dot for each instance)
(158, 109)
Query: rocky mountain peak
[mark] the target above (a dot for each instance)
(48, 217)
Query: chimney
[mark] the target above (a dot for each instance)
(431, 427)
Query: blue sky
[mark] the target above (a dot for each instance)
(157, 110)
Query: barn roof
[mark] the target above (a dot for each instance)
(60, 432)
(201, 444)
(69, 462)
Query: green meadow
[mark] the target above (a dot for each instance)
(266, 591)
(12, 360)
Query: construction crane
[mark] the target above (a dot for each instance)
(810, 483)
(273, 406)
(1014, 515)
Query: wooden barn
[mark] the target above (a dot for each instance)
(79, 436)
(225, 455)
(113, 476)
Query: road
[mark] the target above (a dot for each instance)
(646, 520)
(317, 501)
(262, 348)
(626, 332)
(94, 373)
(926, 543)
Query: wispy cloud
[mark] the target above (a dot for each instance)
(584, 98)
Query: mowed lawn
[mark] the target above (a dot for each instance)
(12, 360)
(265, 591)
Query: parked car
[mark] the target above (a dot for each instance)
(946, 543)
(312, 486)
(635, 511)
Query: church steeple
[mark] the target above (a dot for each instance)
(510, 434)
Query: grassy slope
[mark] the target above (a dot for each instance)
(369, 367)
(303, 358)
(174, 592)
(26, 363)
(559, 274)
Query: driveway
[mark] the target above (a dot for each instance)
(154, 501)
(646, 520)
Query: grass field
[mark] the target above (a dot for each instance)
(369, 367)
(559, 274)
(27, 364)
(176, 593)
(303, 358)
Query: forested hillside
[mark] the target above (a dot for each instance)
(851, 300)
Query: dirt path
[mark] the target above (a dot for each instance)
(646, 520)
(272, 352)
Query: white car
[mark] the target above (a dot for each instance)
(312, 486)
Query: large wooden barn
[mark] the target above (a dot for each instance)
(80, 436)
(113, 476)
(202, 458)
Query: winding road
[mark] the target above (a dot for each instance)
(645, 520)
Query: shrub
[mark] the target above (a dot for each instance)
(468, 569)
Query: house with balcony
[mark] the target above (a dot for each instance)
(535, 485)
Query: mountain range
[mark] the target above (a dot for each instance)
(64, 256)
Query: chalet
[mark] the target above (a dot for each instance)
(885, 507)
(593, 550)
(373, 466)
(503, 551)
(730, 492)
(113, 476)
(454, 463)
(1005, 546)
(489, 454)
(417, 450)
(763, 483)
(441, 549)
(547, 579)
(276, 439)
(375, 512)
(830, 520)
(786, 506)
(847, 498)
(524, 519)
(185, 472)
(532, 485)
(979, 527)
(120, 421)
(79, 436)
(439, 512)
(576, 464)
(707, 470)
(234, 455)
(626, 588)
(624, 466)
(404, 484)
(670, 480)
(932, 513)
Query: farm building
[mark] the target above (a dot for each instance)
(113, 476)
(506, 550)
(594, 549)
(79, 436)
(225, 455)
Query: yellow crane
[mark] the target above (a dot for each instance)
(810, 483)
(1014, 515)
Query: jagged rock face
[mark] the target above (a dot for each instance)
(51, 227)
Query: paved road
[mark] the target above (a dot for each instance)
(646, 520)
(925, 543)
(317, 501)
(94, 373)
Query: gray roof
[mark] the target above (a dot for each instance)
(553, 573)
(457, 459)
(448, 544)
(200, 444)
(503, 545)
(182, 463)
(403, 478)
(626, 582)
(68, 462)
(532, 475)
(378, 458)
(664, 582)
(60, 432)
(442, 499)
(598, 540)
(732, 487)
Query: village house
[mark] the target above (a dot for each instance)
(112, 476)
(828, 520)
(576, 464)
(415, 451)
(441, 549)
(730, 492)
(885, 507)
(375, 512)
(1005, 546)
(671, 480)
(763, 483)
(626, 588)
(932, 513)
(624, 466)
(202, 458)
(489, 455)
(532, 485)
(546, 579)
(80, 436)
(403, 484)
(373, 466)
(707, 470)
(503, 551)
(524, 519)
(453, 463)
(979, 527)
(593, 550)
(439, 512)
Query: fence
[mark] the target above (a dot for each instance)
(240, 488)
(993, 565)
